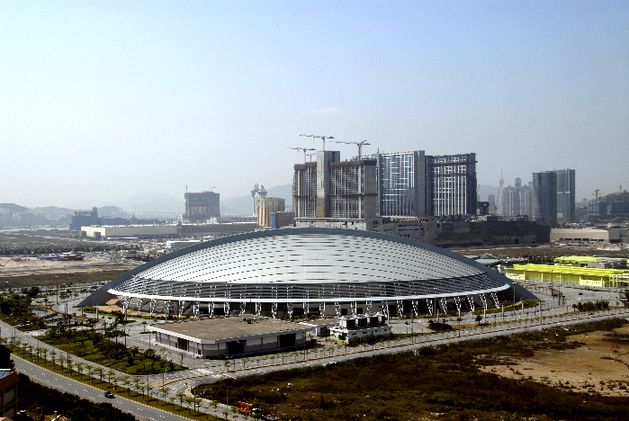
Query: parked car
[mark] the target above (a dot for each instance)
(109, 394)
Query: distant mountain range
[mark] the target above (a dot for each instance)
(12, 215)
(153, 205)
(143, 205)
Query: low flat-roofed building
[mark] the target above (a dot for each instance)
(129, 231)
(8, 392)
(212, 338)
(585, 234)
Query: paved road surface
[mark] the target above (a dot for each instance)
(64, 384)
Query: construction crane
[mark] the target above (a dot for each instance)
(302, 149)
(318, 137)
(359, 144)
(596, 192)
(310, 155)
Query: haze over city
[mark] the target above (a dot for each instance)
(103, 100)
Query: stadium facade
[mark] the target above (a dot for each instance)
(300, 271)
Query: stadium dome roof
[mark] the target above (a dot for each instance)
(307, 265)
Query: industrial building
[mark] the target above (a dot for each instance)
(172, 230)
(591, 234)
(130, 231)
(212, 338)
(282, 219)
(293, 271)
(202, 206)
(88, 218)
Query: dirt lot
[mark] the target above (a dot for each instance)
(32, 272)
(33, 266)
(599, 364)
(549, 251)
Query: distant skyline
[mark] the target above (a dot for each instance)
(100, 101)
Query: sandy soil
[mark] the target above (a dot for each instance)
(599, 366)
(33, 266)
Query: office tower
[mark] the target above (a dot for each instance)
(202, 206)
(566, 197)
(545, 197)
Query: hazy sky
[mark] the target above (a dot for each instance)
(103, 100)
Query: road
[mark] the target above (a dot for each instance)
(82, 390)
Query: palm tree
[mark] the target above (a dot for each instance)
(148, 389)
(90, 372)
(180, 396)
(114, 380)
(124, 382)
(71, 365)
(44, 351)
(29, 349)
(136, 385)
(53, 357)
(99, 371)
(79, 369)
(163, 392)
(110, 375)
(197, 403)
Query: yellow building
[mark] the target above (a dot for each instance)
(267, 206)
(570, 274)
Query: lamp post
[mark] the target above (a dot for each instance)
(552, 294)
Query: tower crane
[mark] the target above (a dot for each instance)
(318, 137)
(302, 149)
(359, 144)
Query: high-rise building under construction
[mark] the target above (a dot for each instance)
(405, 184)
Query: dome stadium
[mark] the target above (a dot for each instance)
(300, 271)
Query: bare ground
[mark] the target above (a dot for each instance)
(600, 365)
